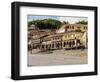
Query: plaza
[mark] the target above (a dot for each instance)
(58, 57)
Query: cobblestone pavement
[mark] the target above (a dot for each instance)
(58, 57)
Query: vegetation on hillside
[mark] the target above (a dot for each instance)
(82, 22)
(46, 24)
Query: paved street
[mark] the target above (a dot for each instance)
(58, 57)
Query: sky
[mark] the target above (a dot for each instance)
(70, 19)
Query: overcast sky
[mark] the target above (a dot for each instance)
(70, 19)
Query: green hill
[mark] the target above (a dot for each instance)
(46, 24)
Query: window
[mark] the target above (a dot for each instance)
(53, 45)
(42, 46)
(72, 27)
(84, 28)
(46, 46)
(67, 27)
(50, 45)
(78, 27)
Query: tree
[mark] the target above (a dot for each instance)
(65, 22)
(82, 22)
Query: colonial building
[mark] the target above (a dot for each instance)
(69, 36)
(51, 42)
(72, 27)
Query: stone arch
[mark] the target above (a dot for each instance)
(43, 46)
(64, 44)
(58, 45)
(70, 43)
(53, 45)
(73, 42)
(49, 46)
(78, 42)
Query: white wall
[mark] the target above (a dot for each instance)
(5, 40)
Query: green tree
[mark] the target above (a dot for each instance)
(82, 22)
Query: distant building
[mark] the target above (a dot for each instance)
(72, 27)
(32, 27)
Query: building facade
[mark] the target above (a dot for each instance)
(69, 36)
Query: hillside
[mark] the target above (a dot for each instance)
(46, 24)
